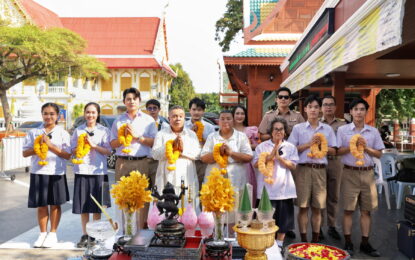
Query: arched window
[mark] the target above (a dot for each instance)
(106, 84)
(107, 110)
(144, 82)
(126, 81)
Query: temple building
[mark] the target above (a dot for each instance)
(134, 50)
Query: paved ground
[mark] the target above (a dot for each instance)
(19, 229)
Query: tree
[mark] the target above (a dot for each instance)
(181, 90)
(212, 102)
(397, 103)
(230, 24)
(77, 110)
(29, 52)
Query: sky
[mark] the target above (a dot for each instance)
(190, 30)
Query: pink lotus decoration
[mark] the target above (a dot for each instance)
(189, 219)
(154, 217)
(206, 223)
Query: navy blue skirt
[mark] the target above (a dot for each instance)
(47, 190)
(98, 186)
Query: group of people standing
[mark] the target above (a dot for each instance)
(283, 136)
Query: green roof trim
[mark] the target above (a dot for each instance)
(264, 52)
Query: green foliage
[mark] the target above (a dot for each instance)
(181, 90)
(212, 102)
(396, 103)
(77, 111)
(230, 24)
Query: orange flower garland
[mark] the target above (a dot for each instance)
(41, 150)
(217, 194)
(124, 139)
(319, 151)
(172, 155)
(82, 149)
(357, 150)
(199, 132)
(267, 169)
(222, 161)
(316, 251)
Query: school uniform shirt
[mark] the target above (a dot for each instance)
(303, 133)
(143, 124)
(207, 130)
(185, 165)
(283, 187)
(369, 133)
(56, 165)
(94, 163)
(238, 142)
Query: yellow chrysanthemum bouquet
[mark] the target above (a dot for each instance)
(82, 149)
(41, 149)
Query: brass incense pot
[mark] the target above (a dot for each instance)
(255, 240)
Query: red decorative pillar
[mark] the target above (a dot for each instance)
(396, 128)
(254, 105)
(338, 92)
(412, 133)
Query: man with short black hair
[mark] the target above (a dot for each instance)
(197, 110)
(283, 100)
(358, 182)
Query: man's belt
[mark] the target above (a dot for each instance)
(332, 157)
(354, 168)
(313, 165)
(132, 158)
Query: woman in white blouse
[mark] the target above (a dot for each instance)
(48, 186)
(235, 145)
(186, 141)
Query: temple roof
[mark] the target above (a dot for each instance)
(40, 15)
(280, 51)
(261, 9)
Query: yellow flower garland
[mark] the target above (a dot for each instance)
(357, 150)
(125, 140)
(82, 149)
(172, 155)
(199, 132)
(130, 192)
(217, 194)
(222, 161)
(267, 169)
(41, 150)
(319, 151)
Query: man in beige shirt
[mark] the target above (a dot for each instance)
(334, 168)
(283, 100)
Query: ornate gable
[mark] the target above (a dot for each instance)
(11, 11)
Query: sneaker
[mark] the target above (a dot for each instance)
(349, 248)
(369, 250)
(51, 240)
(333, 233)
(83, 242)
(290, 234)
(40, 240)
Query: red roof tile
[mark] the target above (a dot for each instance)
(116, 36)
(143, 63)
(40, 15)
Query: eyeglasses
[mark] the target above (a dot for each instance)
(279, 129)
(329, 104)
(283, 97)
(152, 108)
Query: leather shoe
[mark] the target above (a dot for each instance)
(349, 248)
(369, 250)
(333, 233)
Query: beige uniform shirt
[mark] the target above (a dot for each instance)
(335, 124)
(292, 118)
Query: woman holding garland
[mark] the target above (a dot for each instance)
(49, 148)
(90, 145)
(275, 159)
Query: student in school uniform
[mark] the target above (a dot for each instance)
(91, 176)
(48, 186)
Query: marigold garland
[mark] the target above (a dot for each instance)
(172, 155)
(266, 168)
(41, 149)
(316, 252)
(82, 149)
(217, 194)
(357, 150)
(200, 129)
(130, 192)
(124, 139)
(222, 161)
(319, 151)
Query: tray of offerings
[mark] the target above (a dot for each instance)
(302, 251)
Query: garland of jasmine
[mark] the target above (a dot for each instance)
(319, 151)
(266, 168)
(172, 155)
(124, 139)
(222, 161)
(82, 149)
(41, 150)
(357, 150)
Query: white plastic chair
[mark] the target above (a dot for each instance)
(389, 169)
(381, 182)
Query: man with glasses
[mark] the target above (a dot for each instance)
(334, 168)
(283, 100)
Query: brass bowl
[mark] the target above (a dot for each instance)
(256, 241)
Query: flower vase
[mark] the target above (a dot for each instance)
(218, 235)
(130, 224)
